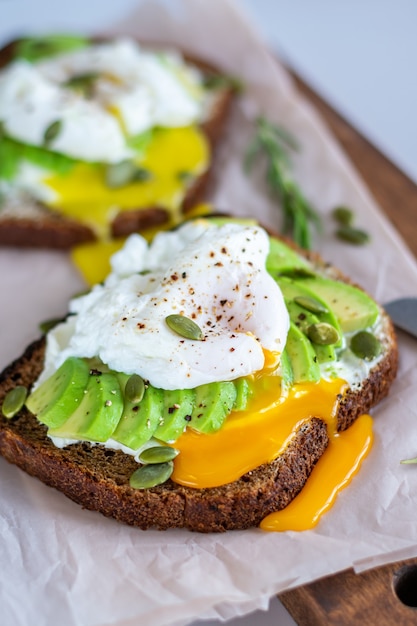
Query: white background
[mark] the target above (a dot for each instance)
(361, 55)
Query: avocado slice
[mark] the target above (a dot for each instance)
(98, 413)
(303, 359)
(282, 258)
(176, 414)
(213, 402)
(292, 289)
(354, 309)
(140, 419)
(303, 318)
(286, 370)
(244, 392)
(58, 397)
(35, 48)
(221, 220)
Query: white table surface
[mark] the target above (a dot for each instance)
(361, 56)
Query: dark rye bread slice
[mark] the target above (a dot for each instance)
(38, 226)
(98, 478)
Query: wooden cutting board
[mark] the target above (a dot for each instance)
(385, 596)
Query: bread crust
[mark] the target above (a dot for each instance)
(98, 478)
(360, 399)
(50, 230)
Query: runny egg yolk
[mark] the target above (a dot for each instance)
(258, 435)
(173, 158)
(250, 438)
(93, 259)
(333, 472)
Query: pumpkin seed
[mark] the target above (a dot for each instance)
(365, 345)
(134, 388)
(41, 46)
(221, 81)
(214, 81)
(119, 174)
(48, 325)
(52, 132)
(296, 272)
(141, 175)
(185, 327)
(343, 215)
(125, 172)
(310, 304)
(82, 82)
(151, 475)
(323, 334)
(158, 454)
(185, 177)
(409, 461)
(353, 235)
(14, 400)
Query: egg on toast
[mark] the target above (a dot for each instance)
(202, 383)
(99, 139)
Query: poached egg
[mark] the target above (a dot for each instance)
(126, 91)
(213, 276)
(248, 438)
(97, 107)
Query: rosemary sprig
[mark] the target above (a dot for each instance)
(409, 461)
(274, 143)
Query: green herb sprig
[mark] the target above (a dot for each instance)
(274, 144)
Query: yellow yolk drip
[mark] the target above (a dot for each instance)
(333, 472)
(83, 195)
(93, 259)
(255, 436)
(258, 435)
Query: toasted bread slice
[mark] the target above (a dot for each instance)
(36, 225)
(98, 478)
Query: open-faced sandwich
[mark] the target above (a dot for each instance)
(101, 139)
(200, 384)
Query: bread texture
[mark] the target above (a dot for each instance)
(38, 226)
(98, 478)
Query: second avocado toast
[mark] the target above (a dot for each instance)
(100, 139)
(164, 417)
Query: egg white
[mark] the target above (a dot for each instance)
(215, 276)
(136, 90)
